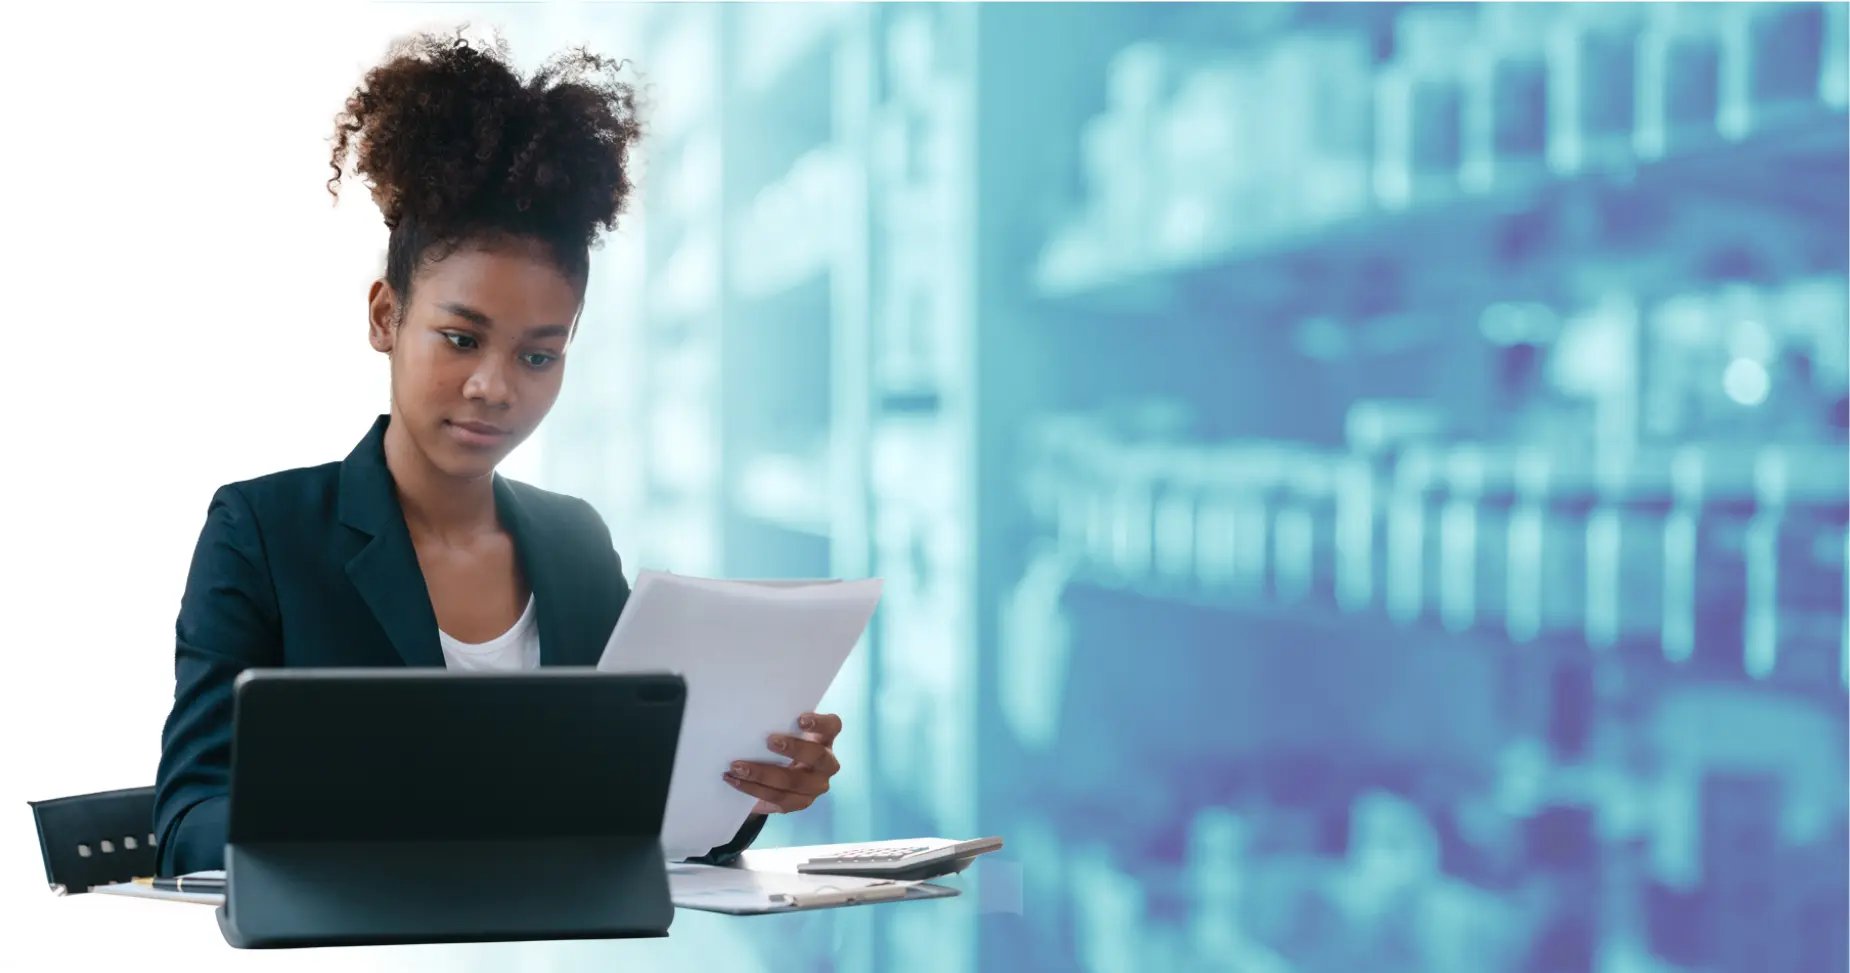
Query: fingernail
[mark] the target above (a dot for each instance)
(807, 722)
(742, 771)
(778, 744)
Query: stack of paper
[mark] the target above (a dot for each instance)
(137, 890)
(729, 890)
(755, 655)
(736, 890)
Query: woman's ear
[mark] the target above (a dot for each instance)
(381, 316)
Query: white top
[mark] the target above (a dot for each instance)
(515, 649)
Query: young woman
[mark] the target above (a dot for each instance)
(412, 550)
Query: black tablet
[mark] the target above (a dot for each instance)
(421, 805)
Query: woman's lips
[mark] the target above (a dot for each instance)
(476, 435)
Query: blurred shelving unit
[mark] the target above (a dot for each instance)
(1471, 236)
(922, 438)
(753, 303)
(670, 365)
(1267, 515)
(1573, 277)
(1010, 306)
(750, 455)
(590, 440)
(812, 295)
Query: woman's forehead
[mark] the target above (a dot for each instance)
(518, 282)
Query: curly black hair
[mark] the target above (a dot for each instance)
(456, 147)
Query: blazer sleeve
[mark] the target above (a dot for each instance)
(228, 622)
(729, 852)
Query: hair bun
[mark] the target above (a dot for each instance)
(447, 135)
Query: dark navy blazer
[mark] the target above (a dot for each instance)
(315, 567)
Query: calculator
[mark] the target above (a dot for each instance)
(908, 859)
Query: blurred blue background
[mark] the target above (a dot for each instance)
(1360, 487)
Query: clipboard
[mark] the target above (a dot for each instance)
(745, 892)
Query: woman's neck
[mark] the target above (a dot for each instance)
(435, 503)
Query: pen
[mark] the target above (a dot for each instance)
(810, 900)
(184, 884)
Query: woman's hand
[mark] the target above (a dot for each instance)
(796, 785)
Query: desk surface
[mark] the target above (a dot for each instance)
(128, 934)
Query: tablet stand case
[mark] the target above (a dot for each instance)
(350, 894)
(560, 880)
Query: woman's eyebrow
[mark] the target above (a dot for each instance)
(483, 321)
(469, 314)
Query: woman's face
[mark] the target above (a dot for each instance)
(478, 357)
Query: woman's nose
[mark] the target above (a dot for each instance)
(488, 382)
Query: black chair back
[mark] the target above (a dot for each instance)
(96, 839)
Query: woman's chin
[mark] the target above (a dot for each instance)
(468, 466)
(464, 464)
(467, 454)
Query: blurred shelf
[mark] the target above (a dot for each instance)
(795, 519)
(767, 139)
(1412, 551)
(803, 294)
(688, 283)
(785, 491)
(685, 44)
(1318, 613)
(1818, 680)
(794, 280)
(765, 250)
(911, 401)
(1464, 235)
(783, 41)
(679, 190)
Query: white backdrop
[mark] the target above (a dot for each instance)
(184, 308)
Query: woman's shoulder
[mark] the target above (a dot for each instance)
(292, 492)
(553, 506)
(571, 526)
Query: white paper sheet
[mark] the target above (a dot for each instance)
(755, 655)
(689, 886)
(725, 889)
(135, 890)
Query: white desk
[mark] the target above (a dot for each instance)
(112, 932)
(129, 935)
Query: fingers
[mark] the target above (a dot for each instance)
(821, 727)
(806, 753)
(779, 799)
(806, 782)
(797, 785)
(779, 802)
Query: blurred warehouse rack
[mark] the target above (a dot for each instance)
(808, 293)
(753, 302)
(1333, 466)
(1547, 307)
(1562, 130)
(1729, 555)
(1726, 401)
(753, 461)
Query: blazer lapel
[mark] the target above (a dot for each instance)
(388, 577)
(534, 549)
(386, 570)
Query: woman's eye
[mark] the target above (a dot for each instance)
(457, 339)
